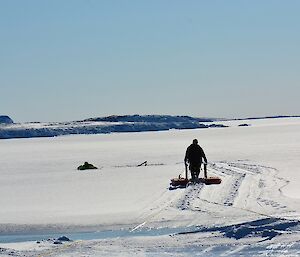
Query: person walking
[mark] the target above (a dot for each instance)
(193, 156)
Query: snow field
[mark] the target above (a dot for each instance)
(255, 211)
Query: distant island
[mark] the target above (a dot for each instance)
(104, 125)
(111, 124)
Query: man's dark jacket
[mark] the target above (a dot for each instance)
(194, 154)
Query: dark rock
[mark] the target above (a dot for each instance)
(244, 125)
(63, 238)
(57, 242)
(86, 166)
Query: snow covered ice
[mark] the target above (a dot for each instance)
(121, 209)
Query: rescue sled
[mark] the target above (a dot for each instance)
(184, 182)
(210, 180)
(179, 182)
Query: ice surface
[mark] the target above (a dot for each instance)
(255, 211)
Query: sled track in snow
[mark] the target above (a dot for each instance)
(266, 183)
(248, 204)
(236, 179)
(247, 190)
(232, 178)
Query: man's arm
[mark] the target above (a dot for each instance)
(203, 156)
(186, 157)
(205, 163)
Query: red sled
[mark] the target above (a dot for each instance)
(211, 180)
(181, 182)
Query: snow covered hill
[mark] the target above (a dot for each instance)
(102, 125)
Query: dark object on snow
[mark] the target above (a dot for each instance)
(244, 125)
(57, 242)
(143, 164)
(63, 238)
(5, 120)
(86, 166)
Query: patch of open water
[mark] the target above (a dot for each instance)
(90, 235)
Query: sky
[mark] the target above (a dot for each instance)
(63, 60)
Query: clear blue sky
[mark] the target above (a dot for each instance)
(68, 60)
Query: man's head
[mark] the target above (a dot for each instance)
(195, 141)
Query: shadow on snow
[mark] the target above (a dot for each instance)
(267, 228)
